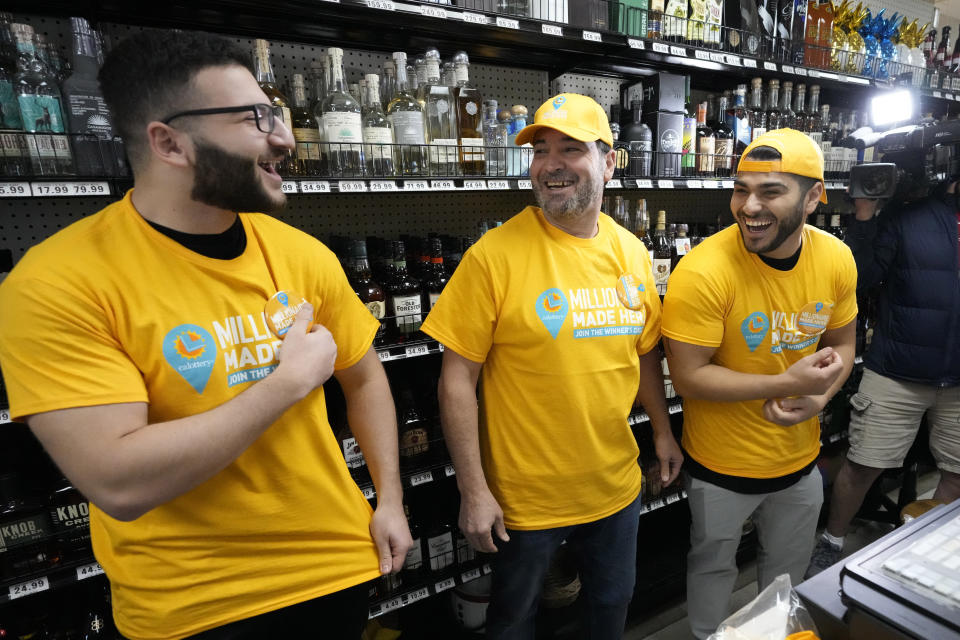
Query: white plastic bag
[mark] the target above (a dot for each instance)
(773, 615)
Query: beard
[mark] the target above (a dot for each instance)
(586, 193)
(785, 228)
(228, 181)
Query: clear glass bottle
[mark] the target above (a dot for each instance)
(786, 109)
(799, 121)
(430, 58)
(758, 117)
(388, 83)
(518, 158)
(814, 126)
(469, 118)
(442, 127)
(377, 133)
(268, 81)
(406, 117)
(494, 140)
(342, 124)
(774, 118)
(41, 108)
(306, 131)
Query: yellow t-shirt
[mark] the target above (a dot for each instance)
(761, 320)
(109, 310)
(539, 309)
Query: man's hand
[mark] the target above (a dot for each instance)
(391, 534)
(306, 359)
(813, 375)
(669, 455)
(864, 209)
(787, 412)
(479, 514)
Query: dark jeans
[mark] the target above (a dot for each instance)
(607, 556)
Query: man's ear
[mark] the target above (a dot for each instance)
(167, 144)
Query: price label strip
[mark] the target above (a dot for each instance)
(727, 184)
(433, 12)
(592, 36)
(89, 571)
(381, 186)
(659, 47)
(442, 185)
(524, 184)
(449, 471)
(711, 184)
(665, 184)
(474, 18)
(444, 585)
(351, 186)
(385, 5)
(499, 185)
(716, 57)
(551, 30)
(15, 190)
(507, 23)
(644, 184)
(615, 184)
(53, 189)
(694, 184)
(467, 576)
(289, 186)
(678, 51)
(633, 43)
(415, 185)
(314, 186)
(769, 66)
(700, 54)
(28, 588)
(369, 493)
(4, 416)
(421, 478)
(750, 63)
(416, 350)
(475, 185)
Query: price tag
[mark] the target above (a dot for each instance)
(415, 185)
(381, 186)
(390, 605)
(678, 51)
(787, 69)
(444, 585)
(524, 184)
(592, 36)
(449, 471)
(659, 47)
(475, 185)
(727, 184)
(89, 571)
(733, 61)
(615, 184)
(694, 184)
(711, 184)
(433, 12)
(467, 576)
(384, 356)
(314, 186)
(675, 408)
(633, 43)
(421, 478)
(937, 94)
(4, 416)
(289, 186)
(750, 63)
(507, 23)
(486, 569)
(386, 5)
(43, 189)
(369, 493)
(644, 184)
(665, 184)
(769, 66)
(351, 186)
(498, 184)
(674, 497)
(419, 594)
(417, 350)
(638, 419)
(440, 347)
(700, 54)
(442, 185)
(716, 57)
(551, 30)
(15, 189)
(474, 18)
(800, 71)
(813, 73)
(29, 587)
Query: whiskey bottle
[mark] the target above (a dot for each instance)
(661, 254)
(440, 545)
(406, 118)
(786, 111)
(414, 435)
(706, 144)
(41, 108)
(404, 302)
(680, 247)
(370, 293)
(342, 124)
(437, 275)
(306, 131)
(377, 132)
(470, 119)
(442, 128)
(757, 116)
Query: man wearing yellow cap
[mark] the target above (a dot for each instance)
(759, 327)
(556, 311)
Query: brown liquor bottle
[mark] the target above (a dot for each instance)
(370, 293)
(404, 302)
(661, 254)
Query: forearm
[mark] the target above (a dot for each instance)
(459, 417)
(373, 419)
(720, 384)
(651, 393)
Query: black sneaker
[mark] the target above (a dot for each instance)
(825, 555)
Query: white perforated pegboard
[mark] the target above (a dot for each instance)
(606, 91)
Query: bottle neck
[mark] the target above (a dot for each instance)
(463, 75)
(798, 108)
(756, 98)
(722, 106)
(84, 54)
(815, 102)
(336, 67)
(773, 99)
(373, 95)
(433, 71)
(299, 96)
(401, 71)
(264, 70)
(702, 115)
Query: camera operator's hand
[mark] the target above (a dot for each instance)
(865, 209)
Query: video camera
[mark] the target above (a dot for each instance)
(913, 160)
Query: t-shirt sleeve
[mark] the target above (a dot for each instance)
(464, 317)
(651, 331)
(694, 307)
(845, 307)
(343, 314)
(58, 350)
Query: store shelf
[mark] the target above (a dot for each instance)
(450, 580)
(663, 501)
(56, 188)
(62, 576)
(414, 349)
(674, 405)
(417, 478)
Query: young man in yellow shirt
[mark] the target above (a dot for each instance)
(134, 344)
(759, 328)
(533, 312)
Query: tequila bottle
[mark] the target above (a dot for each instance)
(494, 140)
(758, 117)
(342, 123)
(470, 119)
(377, 132)
(406, 117)
(442, 128)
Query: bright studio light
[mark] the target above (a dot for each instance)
(891, 107)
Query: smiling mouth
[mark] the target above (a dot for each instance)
(557, 184)
(757, 226)
(270, 167)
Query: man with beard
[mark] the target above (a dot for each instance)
(759, 328)
(135, 346)
(557, 311)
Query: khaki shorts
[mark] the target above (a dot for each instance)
(885, 415)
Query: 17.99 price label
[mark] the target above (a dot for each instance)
(67, 189)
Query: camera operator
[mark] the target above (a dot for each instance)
(910, 252)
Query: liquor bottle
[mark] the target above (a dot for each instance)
(835, 228)
(811, 34)
(440, 545)
(706, 144)
(774, 117)
(696, 24)
(739, 121)
(955, 58)
(306, 130)
(430, 58)
(756, 115)
(377, 132)
(786, 110)
(352, 454)
(414, 435)
(268, 81)
(406, 117)
(655, 20)
(713, 31)
(680, 247)
(943, 49)
(442, 127)
(370, 293)
(70, 520)
(14, 158)
(98, 618)
(403, 298)
(723, 134)
(88, 115)
(494, 140)
(413, 563)
(661, 254)
(675, 20)
(342, 123)
(642, 225)
(436, 276)
(799, 110)
(639, 139)
(688, 159)
(388, 83)
(448, 75)
(318, 86)
(929, 47)
(518, 159)
(470, 119)
(798, 31)
(814, 126)
(24, 530)
(41, 108)
(821, 221)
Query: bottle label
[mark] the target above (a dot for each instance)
(433, 299)
(661, 274)
(89, 114)
(376, 137)
(287, 118)
(41, 114)
(13, 145)
(10, 118)
(377, 308)
(471, 108)
(440, 549)
(706, 160)
(308, 143)
(472, 149)
(756, 132)
(407, 127)
(675, 19)
(462, 73)
(689, 135)
(465, 553)
(443, 151)
(414, 442)
(44, 147)
(71, 516)
(23, 531)
(724, 153)
(414, 559)
(408, 310)
(342, 126)
(352, 453)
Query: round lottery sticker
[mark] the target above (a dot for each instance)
(281, 311)
(813, 318)
(630, 291)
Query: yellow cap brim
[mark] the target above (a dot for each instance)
(527, 134)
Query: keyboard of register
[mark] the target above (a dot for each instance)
(931, 565)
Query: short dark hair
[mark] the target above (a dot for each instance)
(603, 147)
(147, 77)
(766, 154)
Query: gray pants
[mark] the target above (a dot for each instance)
(786, 523)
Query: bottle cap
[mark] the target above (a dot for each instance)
(281, 311)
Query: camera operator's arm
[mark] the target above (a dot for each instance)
(873, 240)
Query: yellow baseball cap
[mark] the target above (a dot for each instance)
(799, 155)
(578, 116)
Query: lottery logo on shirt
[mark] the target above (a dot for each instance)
(754, 329)
(191, 351)
(552, 309)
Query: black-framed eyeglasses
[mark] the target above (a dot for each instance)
(265, 114)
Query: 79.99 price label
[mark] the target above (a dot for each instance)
(67, 189)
